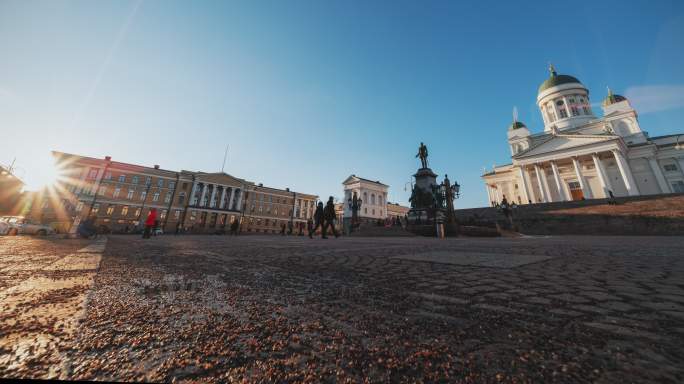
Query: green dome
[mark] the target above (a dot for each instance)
(555, 80)
(516, 125)
(612, 99)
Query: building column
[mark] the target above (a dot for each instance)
(232, 196)
(586, 191)
(544, 197)
(524, 184)
(222, 202)
(204, 192)
(601, 172)
(545, 180)
(532, 197)
(664, 187)
(559, 182)
(238, 205)
(626, 173)
(489, 195)
(213, 196)
(192, 193)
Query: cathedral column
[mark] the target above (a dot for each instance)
(545, 180)
(664, 188)
(200, 203)
(603, 178)
(524, 183)
(232, 196)
(542, 192)
(559, 182)
(580, 179)
(626, 173)
(222, 202)
(489, 194)
(212, 204)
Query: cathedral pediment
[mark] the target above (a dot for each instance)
(557, 143)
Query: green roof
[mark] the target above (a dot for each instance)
(516, 125)
(555, 80)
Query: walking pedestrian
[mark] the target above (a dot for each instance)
(282, 229)
(329, 218)
(309, 227)
(289, 227)
(149, 223)
(318, 218)
(234, 227)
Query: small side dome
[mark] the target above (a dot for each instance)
(516, 125)
(612, 98)
(555, 79)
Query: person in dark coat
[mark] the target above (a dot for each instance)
(289, 227)
(329, 218)
(234, 227)
(318, 218)
(309, 227)
(282, 229)
(150, 222)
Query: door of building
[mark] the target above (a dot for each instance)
(575, 190)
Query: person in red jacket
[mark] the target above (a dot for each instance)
(149, 223)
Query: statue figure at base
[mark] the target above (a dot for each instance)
(423, 155)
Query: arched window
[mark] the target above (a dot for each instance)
(365, 196)
(372, 198)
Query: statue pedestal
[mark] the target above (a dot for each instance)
(423, 216)
(425, 179)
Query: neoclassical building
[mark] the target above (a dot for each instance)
(582, 156)
(120, 195)
(373, 195)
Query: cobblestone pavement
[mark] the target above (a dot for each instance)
(256, 308)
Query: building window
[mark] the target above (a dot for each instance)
(193, 215)
(160, 183)
(92, 175)
(185, 185)
(678, 186)
(172, 184)
(131, 191)
(79, 206)
(122, 178)
(116, 193)
(137, 212)
(124, 210)
(176, 214)
(155, 196)
(134, 180)
(163, 214)
(148, 180)
(575, 111)
(167, 198)
(96, 208)
(103, 190)
(181, 198)
(670, 167)
(143, 195)
(373, 200)
(108, 176)
(110, 210)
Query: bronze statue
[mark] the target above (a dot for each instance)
(423, 154)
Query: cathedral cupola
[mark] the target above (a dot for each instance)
(563, 101)
(612, 98)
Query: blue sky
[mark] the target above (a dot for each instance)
(309, 92)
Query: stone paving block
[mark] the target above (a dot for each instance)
(476, 259)
(624, 331)
(565, 312)
(569, 298)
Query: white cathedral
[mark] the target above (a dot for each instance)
(581, 156)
